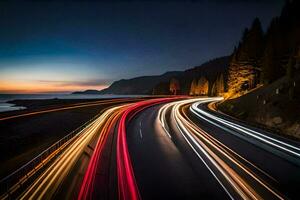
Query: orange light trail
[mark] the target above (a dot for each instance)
(46, 185)
(74, 106)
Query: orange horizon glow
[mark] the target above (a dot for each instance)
(32, 87)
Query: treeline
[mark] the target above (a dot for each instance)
(262, 58)
(259, 58)
(208, 79)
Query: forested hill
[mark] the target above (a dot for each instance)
(206, 79)
(262, 58)
(139, 85)
(211, 71)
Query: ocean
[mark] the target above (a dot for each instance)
(4, 98)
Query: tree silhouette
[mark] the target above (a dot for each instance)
(193, 87)
(203, 86)
(174, 86)
(220, 85)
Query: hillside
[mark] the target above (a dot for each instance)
(270, 105)
(264, 74)
(210, 71)
(160, 85)
(139, 85)
(261, 58)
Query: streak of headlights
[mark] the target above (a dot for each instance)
(213, 154)
(46, 185)
(220, 122)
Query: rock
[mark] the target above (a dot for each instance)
(277, 120)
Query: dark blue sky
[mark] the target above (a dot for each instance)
(91, 43)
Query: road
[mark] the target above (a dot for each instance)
(171, 148)
(166, 168)
(184, 151)
(276, 159)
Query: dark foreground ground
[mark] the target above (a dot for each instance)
(23, 138)
(271, 106)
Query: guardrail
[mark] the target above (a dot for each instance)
(16, 179)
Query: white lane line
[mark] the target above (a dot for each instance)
(141, 135)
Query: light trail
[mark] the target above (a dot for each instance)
(222, 162)
(74, 106)
(87, 186)
(127, 186)
(49, 181)
(265, 139)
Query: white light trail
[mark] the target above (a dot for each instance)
(252, 133)
(208, 149)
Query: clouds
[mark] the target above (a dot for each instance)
(49, 86)
(87, 83)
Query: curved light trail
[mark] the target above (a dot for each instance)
(69, 107)
(239, 177)
(224, 164)
(263, 138)
(128, 189)
(87, 186)
(46, 185)
(127, 186)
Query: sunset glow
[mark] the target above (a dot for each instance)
(30, 87)
(133, 100)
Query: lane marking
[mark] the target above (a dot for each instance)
(141, 135)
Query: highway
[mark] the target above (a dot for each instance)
(51, 179)
(62, 108)
(183, 150)
(171, 148)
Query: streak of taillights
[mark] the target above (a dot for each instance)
(127, 186)
(87, 186)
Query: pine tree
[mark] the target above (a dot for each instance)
(290, 76)
(255, 42)
(251, 46)
(214, 89)
(203, 86)
(271, 67)
(174, 86)
(220, 85)
(197, 88)
(193, 87)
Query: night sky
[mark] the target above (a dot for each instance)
(66, 46)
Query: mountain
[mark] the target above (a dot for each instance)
(88, 92)
(211, 71)
(139, 85)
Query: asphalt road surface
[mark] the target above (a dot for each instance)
(184, 153)
(171, 148)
